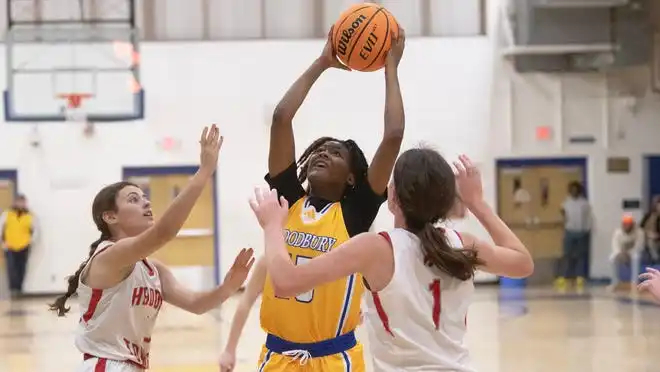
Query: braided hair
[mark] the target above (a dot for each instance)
(59, 306)
(358, 163)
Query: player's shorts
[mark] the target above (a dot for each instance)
(94, 364)
(339, 354)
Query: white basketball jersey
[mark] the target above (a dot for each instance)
(418, 321)
(117, 323)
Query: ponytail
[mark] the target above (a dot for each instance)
(459, 263)
(59, 306)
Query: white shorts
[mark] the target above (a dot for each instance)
(105, 365)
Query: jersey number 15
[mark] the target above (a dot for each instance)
(306, 297)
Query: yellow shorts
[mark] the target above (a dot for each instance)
(351, 360)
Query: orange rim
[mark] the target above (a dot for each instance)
(74, 100)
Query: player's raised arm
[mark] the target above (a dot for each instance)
(282, 144)
(123, 215)
(395, 119)
(126, 252)
(508, 256)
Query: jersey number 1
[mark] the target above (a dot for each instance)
(306, 297)
(434, 287)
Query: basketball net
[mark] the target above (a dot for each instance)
(74, 111)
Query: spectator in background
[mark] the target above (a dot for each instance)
(651, 225)
(18, 232)
(627, 246)
(577, 230)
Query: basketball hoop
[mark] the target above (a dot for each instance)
(73, 105)
(74, 112)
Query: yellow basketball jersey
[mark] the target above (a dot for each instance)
(328, 310)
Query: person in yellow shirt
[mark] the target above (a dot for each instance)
(17, 227)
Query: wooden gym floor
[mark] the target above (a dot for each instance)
(513, 331)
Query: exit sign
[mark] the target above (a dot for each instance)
(543, 133)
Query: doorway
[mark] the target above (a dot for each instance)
(8, 190)
(652, 177)
(194, 253)
(530, 193)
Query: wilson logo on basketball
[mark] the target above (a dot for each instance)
(347, 34)
(362, 36)
(369, 45)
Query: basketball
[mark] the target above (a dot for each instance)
(362, 36)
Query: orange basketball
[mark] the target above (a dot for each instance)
(362, 36)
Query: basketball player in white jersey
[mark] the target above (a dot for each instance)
(121, 290)
(420, 276)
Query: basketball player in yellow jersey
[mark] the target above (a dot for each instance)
(315, 331)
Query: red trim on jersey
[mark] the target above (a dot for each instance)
(93, 303)
(147, 339)
(385, 235)
(104, 361)
(377, 303)
(150, 271)
(381, 313)
(437, 302)
(96, 295)
(100, 365)
(460, 237)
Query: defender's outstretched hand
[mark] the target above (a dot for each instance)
(651, 282)
(239, 270)
(210, 144)
(270, 210)
(468, 179)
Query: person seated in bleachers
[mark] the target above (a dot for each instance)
(627, 246)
